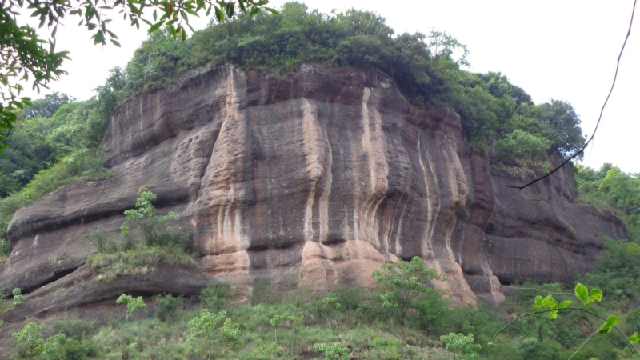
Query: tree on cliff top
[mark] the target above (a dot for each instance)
(27, 57)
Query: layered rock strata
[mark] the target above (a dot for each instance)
(312, 179)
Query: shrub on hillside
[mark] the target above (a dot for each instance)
(405, 289)
(531, 348)
(167, 307)
(146, 239)
(208, 332)
(214, 297)
(617, 271)
(133, 304)
(462, 345)
(31, 344)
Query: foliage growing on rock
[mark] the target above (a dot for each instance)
(133, 304)
(425, 67)
(31, 343)
(146, 240)
(355, 325)
(520, 144)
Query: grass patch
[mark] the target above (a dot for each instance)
(138, 261)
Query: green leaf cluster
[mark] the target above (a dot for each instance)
(25, 58)
(133, 304)
(587, 296)
(206, 328)
(521, 145)
(548, 304)
(586, 299)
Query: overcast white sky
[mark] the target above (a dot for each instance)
(553, 49)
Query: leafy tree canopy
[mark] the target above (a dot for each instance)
(26, 57)
(429, 69)
(426, 67)
(609, 187)
(45, 107)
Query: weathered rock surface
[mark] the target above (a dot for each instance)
(312, 179)
(85, 287)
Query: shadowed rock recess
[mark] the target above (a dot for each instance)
(310, 179)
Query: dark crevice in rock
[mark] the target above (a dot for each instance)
(505, 280)
(203, 171)
(276, 245)
(472, 271)
(57, 275)
(333, 241)
(169, 199)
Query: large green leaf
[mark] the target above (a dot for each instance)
(595, 296)
(582, 293)
(609, 324)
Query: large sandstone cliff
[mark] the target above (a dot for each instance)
(312, 179)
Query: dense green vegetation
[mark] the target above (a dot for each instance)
(339, 325)
(617, 273)
(55, 143)
(612, 189)
(403, 318)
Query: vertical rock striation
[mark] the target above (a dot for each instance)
(314, 179)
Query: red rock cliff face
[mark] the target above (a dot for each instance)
(313, 179)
